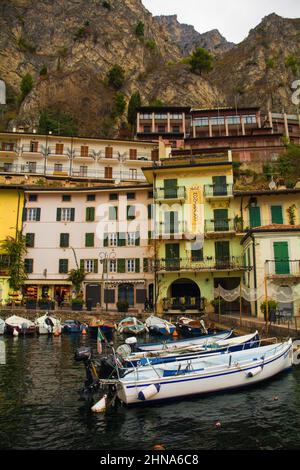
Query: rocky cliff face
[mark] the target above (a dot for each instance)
(261, 69)
(78, 41)
(187, 38)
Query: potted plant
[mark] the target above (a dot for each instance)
(31, 304)
(272, 306)
(77, 304)
(45, 304)
(123, 306)
(215, 303)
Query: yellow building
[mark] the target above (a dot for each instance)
(11, 208)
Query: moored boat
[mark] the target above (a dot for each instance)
(173, 345)
(191, 327)
(47, 325)
(159, 326)
(72, 326)
(2, 326)
(131, 326)
(239, 343)
(17, 325)
(107, 327)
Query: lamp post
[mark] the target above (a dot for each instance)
(104, 257)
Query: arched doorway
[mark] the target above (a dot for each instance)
(126, 292)
(185, 293)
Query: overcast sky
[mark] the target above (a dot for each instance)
(233, 18)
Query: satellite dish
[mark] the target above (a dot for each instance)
(272, 184)
(2, 92)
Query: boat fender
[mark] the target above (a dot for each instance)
(254, 372)
(100, 406)
(149, 392)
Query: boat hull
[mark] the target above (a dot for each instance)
(30, 331)
(231, 377)
(105, 329)
(161, 331)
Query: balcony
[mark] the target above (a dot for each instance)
(218, 227)
(171, 231)
(32, 151)
(218, 192)
(208, 264)
(184, 304)
(8, 150)
(170, 194)
(283, 269)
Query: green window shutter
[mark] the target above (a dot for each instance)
(254, 215)
(197, 255)
(276, 214)
(63, 266)
(24, 215)
(89, 239)
(146, 265)
(121, 265)
(72, 215)
(219, 186)
(95, 265)
(150, 236)
(58, 214)
(130, 212)
(30, 240)
(150, 211)
(105, 239)
(82, 264)
(281, 255)
(113, 213)
(38, 214)
(105, 261)
(221, 220)
(137, 265)
(137, 238)
(90, 214)
(64, 240)
(170, 188)
(121, 239)
(28, 265)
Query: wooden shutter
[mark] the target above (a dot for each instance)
(30, 240)
(90, 214)
(121, 265)
(170, 188)
(219, 186)
(105, 239)
(72, 215)
(146, 265)
(221, 220)
(89, 239)
(132, 154)
(276, 213)
(84, 151)
(137, 238)
(24, 215)
(121, 239)
(95, 265)
(137, 265)
(130, 212)
(59, 149)
(141, 295)
(154, 155)
(82, 264)
(281, 255)
(58, 214)
(64, 240)
(38, 214)
(113, 213)
(254, 215)
(108, 152)
(109, 296)
(108, 172)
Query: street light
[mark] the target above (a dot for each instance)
(104, 258)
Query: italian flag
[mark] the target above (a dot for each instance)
(100, 338)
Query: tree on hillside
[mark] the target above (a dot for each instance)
(57, 122)
(134, 103)
(26, 85)
(200, 61)
(289, 163)
(116, 77)
(119, 105)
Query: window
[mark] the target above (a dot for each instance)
(112, 239)
(233, 119)
(7, 146)
(108, 172)
(276, 214)
(90, 265)
(83, 170)
(32, 167)
(150, 194)
(89, 239)
(130, 212)
(84, 151)
(250, 119)
(131, 265)
(132, 154)
(176, 129)
(150, 211)
(161, 116)
(32, 197)
(33, 214)
(34, 146)
(28, 265)
(161, 129)
(147, 129)
(58, 167)
(30, 240)
(113, 213)
(90, 214)
(108, 152)
(131, 239)
(64, 240)
(65, 215)
(130, 196)
(112, 266)
(59, 149)
(91, 197)
(113, 197)
(176, 116)
(133, 173)
(217, 121)
(146, 116)
(63, 266)
(200, 122)
(66, 198)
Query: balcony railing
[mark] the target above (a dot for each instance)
(169, 229)
(232, 263)
(163, 194)
(184, 303)
(219, 225)
(213, 190)
(283, 268)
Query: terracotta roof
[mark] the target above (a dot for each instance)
(277, 227)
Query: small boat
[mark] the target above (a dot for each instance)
(239, 343)
(159, 326)
(107, 327)
(131, 326)
(191, 327)
(15, 325)
(197, 376)
(47, 325)
(72, 326)
(2, 326)
(173, 345)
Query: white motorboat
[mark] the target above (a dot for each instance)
(47, 325)
(205, 374)
(160, 326)
(178, 344)
(17, 325)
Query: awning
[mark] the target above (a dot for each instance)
(33, 282)
(123, 281)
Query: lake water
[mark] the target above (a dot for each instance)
(40, 408)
